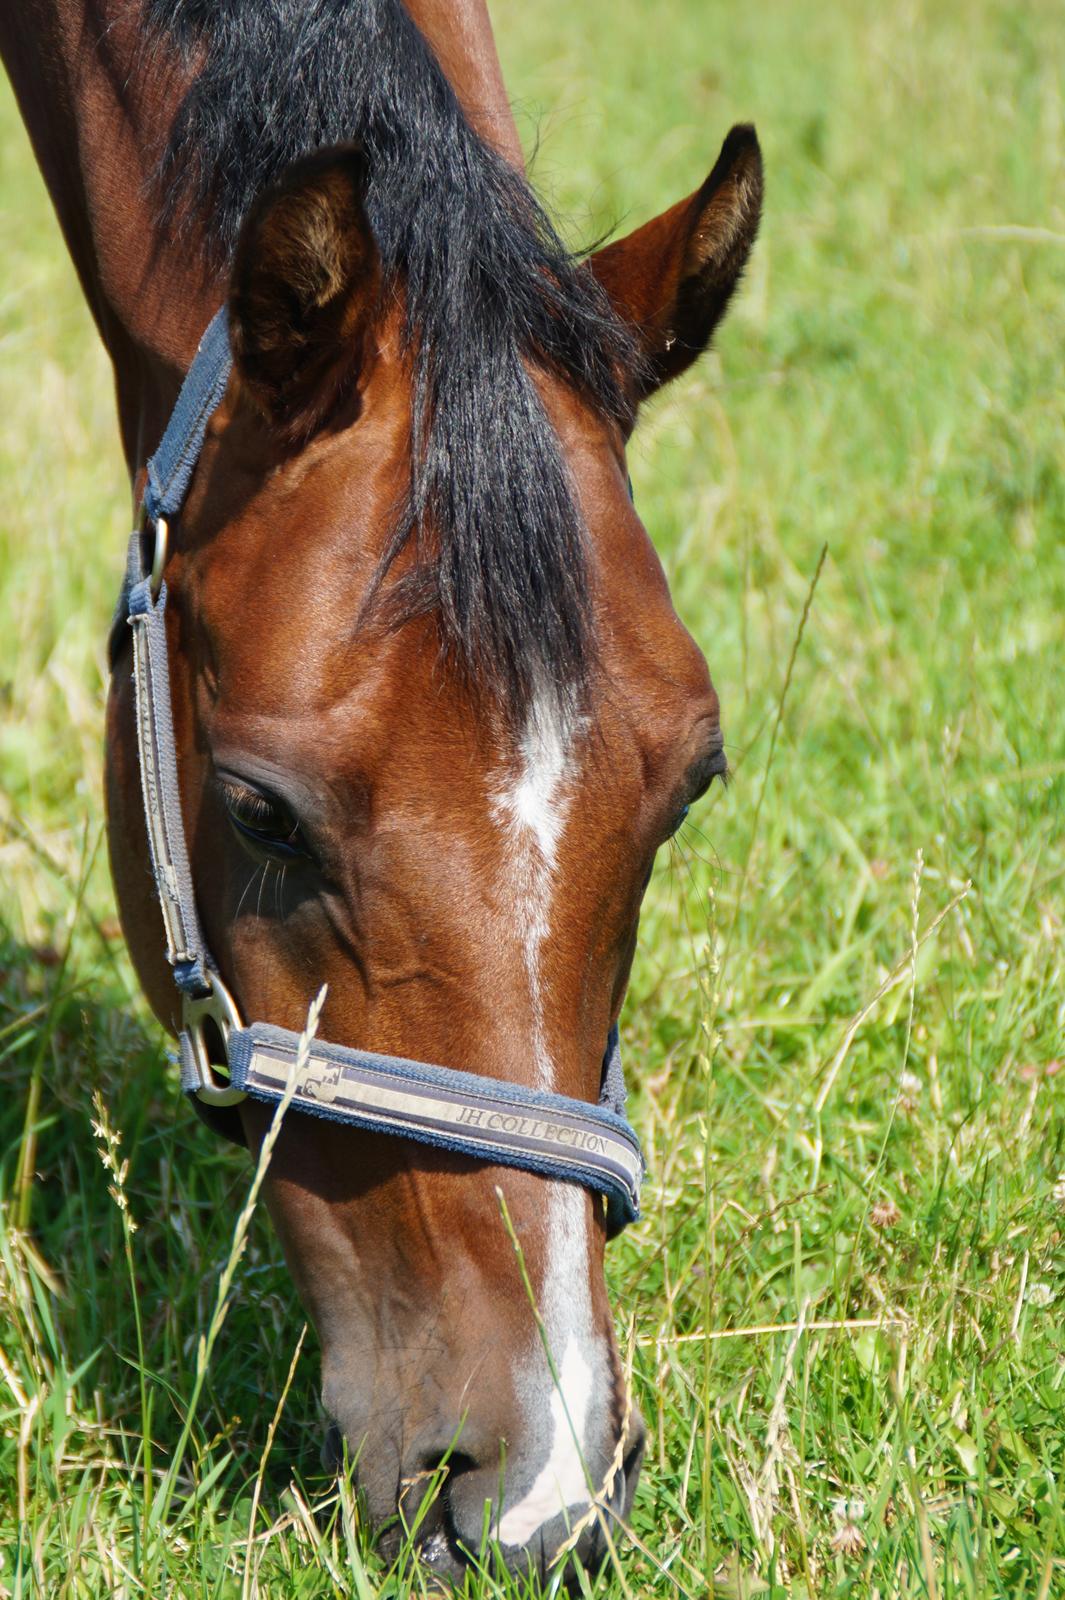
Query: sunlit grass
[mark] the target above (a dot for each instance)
(843, 1304)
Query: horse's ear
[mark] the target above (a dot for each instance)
(672, 279)
(304, 288)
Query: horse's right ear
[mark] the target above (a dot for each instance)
(673, 278)
(305, 283)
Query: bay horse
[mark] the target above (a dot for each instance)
(433, 711)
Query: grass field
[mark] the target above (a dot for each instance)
(844, 1303)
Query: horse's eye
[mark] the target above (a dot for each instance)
(700, 777)
(264, 820)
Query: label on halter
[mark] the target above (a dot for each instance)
(457, 1110)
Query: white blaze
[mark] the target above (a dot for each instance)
(533, 810)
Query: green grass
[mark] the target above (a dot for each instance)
(844, 1302)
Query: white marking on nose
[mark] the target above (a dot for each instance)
(560, 1483)
(532, 809)
(566, 1308)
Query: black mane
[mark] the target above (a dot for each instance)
(489, 287)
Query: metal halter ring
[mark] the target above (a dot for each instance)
(217, 1007)
(161, 530)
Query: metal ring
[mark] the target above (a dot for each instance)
(217, 1007)
(161, 530)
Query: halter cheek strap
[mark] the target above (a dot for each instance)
(485, 1118)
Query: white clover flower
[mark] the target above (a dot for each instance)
(848, 1540)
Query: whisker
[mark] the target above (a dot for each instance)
(702, 898)
(713, 860)
(262, 886)
(244, 893)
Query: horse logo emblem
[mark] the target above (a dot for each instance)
(320, 1082)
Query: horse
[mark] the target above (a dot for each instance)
(433, 712)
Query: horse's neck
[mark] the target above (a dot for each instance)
(460, 34)
(97, 106)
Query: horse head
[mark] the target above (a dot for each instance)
(435, 714)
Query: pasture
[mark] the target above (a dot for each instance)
(843, 1306)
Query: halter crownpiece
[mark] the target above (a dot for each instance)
(485, 1118)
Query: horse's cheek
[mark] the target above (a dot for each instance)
(127, 839)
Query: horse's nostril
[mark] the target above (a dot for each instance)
(429, 1485)
(450, 1463)
(424, 1493)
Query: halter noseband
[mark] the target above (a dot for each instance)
(486, 1118)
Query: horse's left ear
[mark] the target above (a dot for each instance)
(304, 291)
(673, 278)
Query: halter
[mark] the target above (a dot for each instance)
(487, 1118)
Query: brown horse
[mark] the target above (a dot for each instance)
(434, 710)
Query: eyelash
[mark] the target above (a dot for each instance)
(682, 817)
(258, 813)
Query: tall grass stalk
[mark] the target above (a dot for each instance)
(161, 1504)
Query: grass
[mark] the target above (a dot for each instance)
(843, 1305)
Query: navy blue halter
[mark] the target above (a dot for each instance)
(223, 1060)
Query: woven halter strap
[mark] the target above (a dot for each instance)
(223, 1059)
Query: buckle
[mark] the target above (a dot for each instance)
(160, 530)
(207, 1022)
